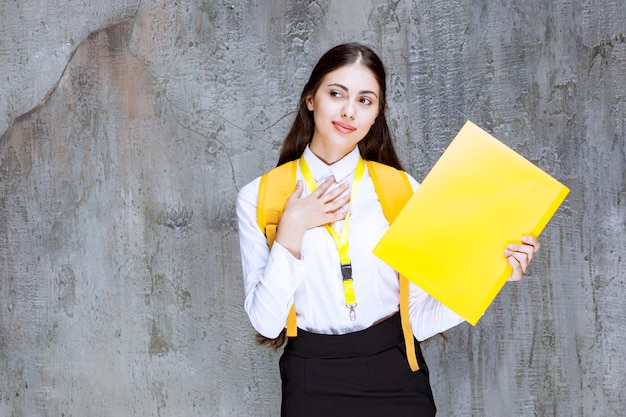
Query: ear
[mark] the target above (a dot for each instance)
(309, 103)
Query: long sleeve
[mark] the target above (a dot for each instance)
(429, 316)
(270, 276)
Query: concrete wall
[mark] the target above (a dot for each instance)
(127, 128)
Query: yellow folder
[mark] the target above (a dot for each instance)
(450, 237)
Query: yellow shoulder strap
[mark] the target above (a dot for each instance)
(394, 191)
(275, 188)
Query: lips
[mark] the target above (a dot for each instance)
(343, 128)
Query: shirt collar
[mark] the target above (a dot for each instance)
(340, 169)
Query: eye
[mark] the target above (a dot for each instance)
(335, 93)
(365, 100)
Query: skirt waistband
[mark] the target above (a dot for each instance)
(370, 341)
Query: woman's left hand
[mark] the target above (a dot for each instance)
(520, 255)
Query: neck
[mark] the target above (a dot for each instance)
(329, 156)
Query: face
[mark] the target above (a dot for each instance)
(344, 108)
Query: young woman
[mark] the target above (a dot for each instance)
(344, 361)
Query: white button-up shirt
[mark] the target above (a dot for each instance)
(274, 279)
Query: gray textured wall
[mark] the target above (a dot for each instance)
(127, 128)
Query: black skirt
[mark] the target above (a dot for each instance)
(364, 374)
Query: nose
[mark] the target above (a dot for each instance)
(348, 111)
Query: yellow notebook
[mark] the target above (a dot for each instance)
(450, 237)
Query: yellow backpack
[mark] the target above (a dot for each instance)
(393, 189)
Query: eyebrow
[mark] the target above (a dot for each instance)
(346, 88)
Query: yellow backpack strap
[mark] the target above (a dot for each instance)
(275, 188)
(394, 191)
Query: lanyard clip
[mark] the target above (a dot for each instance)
(348, 289)
(346, 271)
(352, 312)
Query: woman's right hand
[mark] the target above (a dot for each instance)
(317, 209)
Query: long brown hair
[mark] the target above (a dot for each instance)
(377, 145)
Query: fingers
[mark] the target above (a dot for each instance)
(331, 200)
(335, 216)
(533, 241)
(321, 191)
(333, 207)
(323, 187)
(319, 208)
(299, 189)
(517, 273)
(524, 251)
(520, 255)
